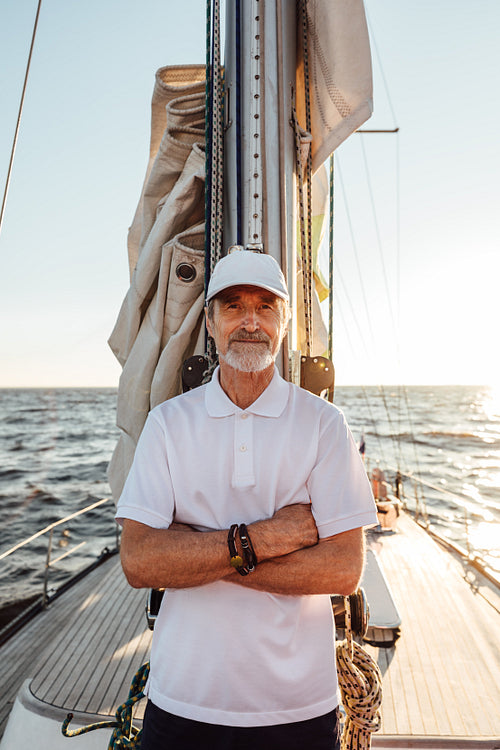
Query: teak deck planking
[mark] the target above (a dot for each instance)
(442, 676)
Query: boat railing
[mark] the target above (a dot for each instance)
(48, 531)
(420, 514)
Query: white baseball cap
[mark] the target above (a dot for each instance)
(249, 268)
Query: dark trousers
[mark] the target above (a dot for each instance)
(164, 731)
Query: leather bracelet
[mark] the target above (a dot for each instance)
(248, 550)
(235, 560)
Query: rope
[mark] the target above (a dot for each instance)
(217, 133)
(213, 150)
(305, 188)
(213, 139)
(361, 690)
(125, 735)
(308, 277)
(330, 259)
(303, 210)
(239, 182)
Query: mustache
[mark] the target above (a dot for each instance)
(246, 336)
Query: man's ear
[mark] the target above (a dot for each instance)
(208, 323)
(286, 324)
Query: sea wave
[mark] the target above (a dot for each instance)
(453, 434)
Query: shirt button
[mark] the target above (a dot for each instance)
(243, 448)
(244, 416)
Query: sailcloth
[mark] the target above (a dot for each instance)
(340, 70)
(159, 324)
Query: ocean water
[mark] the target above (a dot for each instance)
(55, 445)
(449, 437)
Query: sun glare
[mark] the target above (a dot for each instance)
(485, 536)
(492, 403)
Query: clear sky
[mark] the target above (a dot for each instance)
(426, 310)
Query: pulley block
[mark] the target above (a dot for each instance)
(317, 374)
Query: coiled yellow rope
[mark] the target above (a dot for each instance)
(361, 690)
(125, 735)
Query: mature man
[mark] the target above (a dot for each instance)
(243, 648)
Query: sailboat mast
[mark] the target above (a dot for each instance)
(258, 174)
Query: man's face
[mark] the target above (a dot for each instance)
(248, 326)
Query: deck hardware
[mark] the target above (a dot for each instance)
(193, 372)
(317, 374)
(185, 272)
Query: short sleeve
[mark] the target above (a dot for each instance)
(148, 495)
(338, 486)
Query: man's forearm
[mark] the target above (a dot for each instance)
(334, 566)
(167, 558)
(174, 558)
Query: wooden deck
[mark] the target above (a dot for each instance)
(441, 678)
(81, 654)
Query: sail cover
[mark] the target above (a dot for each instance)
(159, 324)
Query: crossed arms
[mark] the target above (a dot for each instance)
(291, 558)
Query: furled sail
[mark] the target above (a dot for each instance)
(159, 323)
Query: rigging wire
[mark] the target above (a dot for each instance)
(352, 347)
(355, 248)
(415, 452)
(331, 256)
(395, 319)
(373, 43)
(239, 182)
(368, 402)
(19, 115)
(396, 447)
(379, 240)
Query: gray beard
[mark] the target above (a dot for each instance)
(248, 357)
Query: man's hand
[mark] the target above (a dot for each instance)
(290, 529)
(333, 566)
(298, 521)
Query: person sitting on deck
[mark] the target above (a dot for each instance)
(387, 508)
(246, 501)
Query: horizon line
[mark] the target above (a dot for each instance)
(337, 385)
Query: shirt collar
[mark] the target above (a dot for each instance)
(271, 403)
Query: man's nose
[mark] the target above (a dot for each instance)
(250, 320)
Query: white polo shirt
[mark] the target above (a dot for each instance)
(222, 653)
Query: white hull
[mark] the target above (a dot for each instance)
(35, 724)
